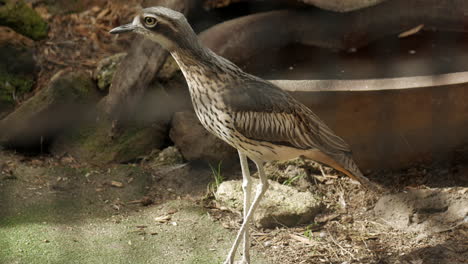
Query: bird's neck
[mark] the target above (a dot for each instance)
(202, 68)
(192, 56)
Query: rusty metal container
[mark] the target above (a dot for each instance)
(397, 102)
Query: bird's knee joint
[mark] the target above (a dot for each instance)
(246, 184)
(262, 187)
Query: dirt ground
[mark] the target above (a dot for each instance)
(54, 210)
(60, 211)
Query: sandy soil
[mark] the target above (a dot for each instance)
(131, 212)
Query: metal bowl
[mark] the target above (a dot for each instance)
(394, 111)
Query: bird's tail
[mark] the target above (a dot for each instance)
(343, 162)
(352, 170)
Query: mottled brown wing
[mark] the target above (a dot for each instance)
(264, 112)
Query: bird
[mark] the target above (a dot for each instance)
(260, 120)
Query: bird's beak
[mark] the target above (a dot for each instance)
(123, 29)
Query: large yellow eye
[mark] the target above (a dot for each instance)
(150, 21)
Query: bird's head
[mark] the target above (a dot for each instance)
(163, 25)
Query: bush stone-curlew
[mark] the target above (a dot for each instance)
(260, 120)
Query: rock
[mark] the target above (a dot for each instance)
(65, 101)
(281, 204)
(427, 211)
(99, 141)
(20, 17)
(211, 4)
(92, 142)
(102, 142)
(168, 156)
(196, 143)
(17, 67)
(106, 69)
(342, 6)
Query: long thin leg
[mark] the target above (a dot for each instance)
(247, 188)
(261, 189)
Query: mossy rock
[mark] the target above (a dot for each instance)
(98, 142)
(17, 67)
(64, 102)
(106, 69)
(23, 19)
(92, 142)
(12, 87)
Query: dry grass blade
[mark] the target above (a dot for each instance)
(341, 247)
(162, 219)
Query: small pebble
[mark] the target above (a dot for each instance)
(322, 234)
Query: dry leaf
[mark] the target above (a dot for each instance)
(411, 31)
(103, 13)
(116, 184)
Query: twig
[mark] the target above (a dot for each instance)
(342, 248)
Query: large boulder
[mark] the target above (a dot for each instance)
(196, 143)
(342, 6)
(51, 110)
(17, 67)
(281, 205)
(17, 15)
(100, 141)
(92, 142)
(104, 141)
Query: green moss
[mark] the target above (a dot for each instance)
(73, 86)
(20, 17)
(92, 142)
(12, 86)
(106, 69)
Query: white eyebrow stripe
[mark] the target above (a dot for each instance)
(150, 15)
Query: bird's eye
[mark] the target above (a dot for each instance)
(150, 21)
